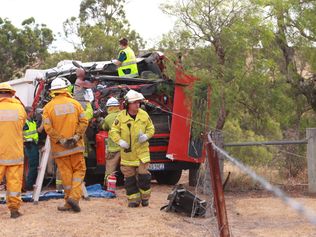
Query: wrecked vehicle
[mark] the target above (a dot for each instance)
(172, 148)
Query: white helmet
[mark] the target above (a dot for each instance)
(59, 83)
(132, 96)
(112, 102)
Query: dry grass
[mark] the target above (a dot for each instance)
(240, 182)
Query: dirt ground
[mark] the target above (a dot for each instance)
(267, 216)
(249, 214)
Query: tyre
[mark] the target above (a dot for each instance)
(170, 177)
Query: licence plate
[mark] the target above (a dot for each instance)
(156, 166)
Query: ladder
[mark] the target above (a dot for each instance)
(41, 173)
(2, 192)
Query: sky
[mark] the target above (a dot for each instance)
(144, 16)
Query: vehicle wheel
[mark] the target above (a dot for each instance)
(193, 176)
(170, 177)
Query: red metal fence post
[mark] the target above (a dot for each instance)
(218, 192)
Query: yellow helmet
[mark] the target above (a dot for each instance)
(5, 87)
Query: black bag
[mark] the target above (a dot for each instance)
(182, 200)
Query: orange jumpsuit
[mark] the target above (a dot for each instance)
(12, 120)
(63, 118)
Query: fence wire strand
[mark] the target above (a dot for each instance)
(296, 206)
(208, 127)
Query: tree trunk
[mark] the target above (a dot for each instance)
(220, 52)
(289, 68)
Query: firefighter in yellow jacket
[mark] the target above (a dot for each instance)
(113, 150)
(131, 130)
(65, 123)
(12, 120)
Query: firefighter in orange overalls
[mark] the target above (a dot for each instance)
(12, 120)
(65, 123)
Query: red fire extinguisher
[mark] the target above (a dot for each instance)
(111, 183)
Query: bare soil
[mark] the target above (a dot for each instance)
(250, 214)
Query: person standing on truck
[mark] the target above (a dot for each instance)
(84, 95)
(81, 89)
(65, 124)
(30, 133)
(113, 150)
(12, 120)
(126, 61)
(131, 130)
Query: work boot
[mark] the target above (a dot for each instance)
(133, 204)
(145, 203)
(73, 204)
(64, 207)
(15, 214)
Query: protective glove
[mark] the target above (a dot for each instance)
(100, 122)
(142, 138)
(72, 142)
(123, 144)
(66, 143)
(115, 61)
(76, 137)
(62, 141)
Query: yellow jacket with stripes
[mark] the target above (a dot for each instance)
(142, 124)
(12, 120)
(63, 118)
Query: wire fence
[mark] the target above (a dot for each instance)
(209, 224)
(293, 204)
(227, 133)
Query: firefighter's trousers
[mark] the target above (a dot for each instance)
(137, 182)
(72, 169)
(31, 151)
(59, 182)
(112, 162)
(14, 179)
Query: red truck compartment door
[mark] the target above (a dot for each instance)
(178, 148)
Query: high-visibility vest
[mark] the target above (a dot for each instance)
(30, 135)
(88, 111)
(129, 63)
(70, 89)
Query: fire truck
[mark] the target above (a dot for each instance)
(173, 148)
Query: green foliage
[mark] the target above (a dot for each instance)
(251, 155)
(22, 47)
(258, 57)
(97, 29)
